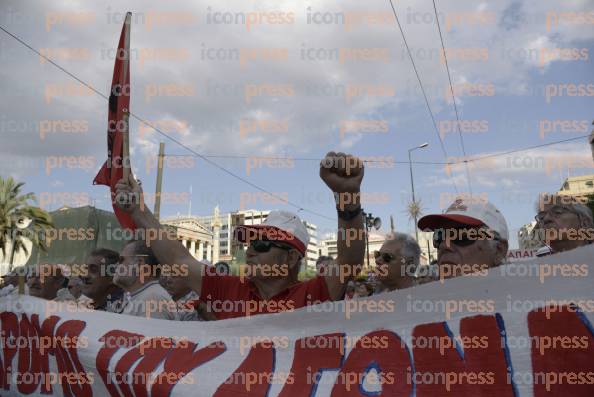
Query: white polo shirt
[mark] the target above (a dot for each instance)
(150, 301)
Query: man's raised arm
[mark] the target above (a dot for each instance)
(343, 175)
(165, 247)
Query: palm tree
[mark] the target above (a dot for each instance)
(414, 210)
(20, 220)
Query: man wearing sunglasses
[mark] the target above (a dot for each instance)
(470, 237)
(274, 253)
(563, 222)
(396, 262)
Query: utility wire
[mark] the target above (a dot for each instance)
(238, 157)
(445, 153)
(406, 162)
(169, 137)
(414, 162)
(206, 157)
(524, 149)
(445, 57)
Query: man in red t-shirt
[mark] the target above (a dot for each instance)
(275, 251)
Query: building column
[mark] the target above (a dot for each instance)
(200, 250)
(185, 242)
(209, 251)
(216, 245)
(193, 248)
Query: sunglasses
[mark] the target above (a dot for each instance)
(262, 246)
(463, 240)
(386, 256)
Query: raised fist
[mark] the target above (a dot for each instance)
(129, 196)
(343, 174)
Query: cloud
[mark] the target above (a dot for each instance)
(515, 169)
(213, 75)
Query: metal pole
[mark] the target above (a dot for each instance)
(126, 112)
(157, 210)
(412, 186)
(367, 242)
(12, 252)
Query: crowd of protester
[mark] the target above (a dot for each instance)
(470, 236)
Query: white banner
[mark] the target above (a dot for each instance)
(521, 330)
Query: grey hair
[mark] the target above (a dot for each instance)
(583, 212)
(410, 248)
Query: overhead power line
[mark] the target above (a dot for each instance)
(461, 161)
(445, 57)
(207, 157)
(443, 149)
(170, 137)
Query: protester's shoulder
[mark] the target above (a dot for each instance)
(190, 297)
(319, 279)
(64, 295)
(8, 290)
(156, 290)
(188, 315)
(314, 283)
(222, 279)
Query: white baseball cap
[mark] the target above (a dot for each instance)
(468, 212)
(283, 226)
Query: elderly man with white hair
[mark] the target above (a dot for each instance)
(563, 222)
(470, 237)
(396, 262)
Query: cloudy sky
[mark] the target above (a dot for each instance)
(241, 81)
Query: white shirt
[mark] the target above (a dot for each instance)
(64, 295)
(150, 301)
(186, 311)
(9, 290)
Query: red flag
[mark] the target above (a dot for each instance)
(117, 127)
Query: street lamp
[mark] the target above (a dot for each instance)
(370, 221)
(412, 184)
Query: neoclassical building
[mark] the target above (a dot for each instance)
(198, 239)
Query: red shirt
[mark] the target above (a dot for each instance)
(232, 296)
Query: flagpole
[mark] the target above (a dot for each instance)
(118, 165)
(157, 211)
(126, 133)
